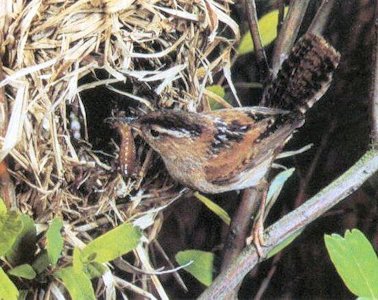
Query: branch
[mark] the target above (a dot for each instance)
(338, 190)
(303, 184)
(289, 32)
(281, 14)
(321, 18)
(264, 285)
(7, 188)
(261, 59)
(240, 226)
(374, 91)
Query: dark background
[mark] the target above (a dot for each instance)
(338, 126)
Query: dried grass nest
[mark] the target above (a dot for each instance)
(168, 49)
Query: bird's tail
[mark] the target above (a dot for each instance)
(304, 76)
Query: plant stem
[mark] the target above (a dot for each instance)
(240, 225)
(374, 84)
(321, 18)
(261, 59)
(288, 33)
(331, 195)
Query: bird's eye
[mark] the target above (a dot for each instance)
(154, 133)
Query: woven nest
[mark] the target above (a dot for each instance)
(147, 54)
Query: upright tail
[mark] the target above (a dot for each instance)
(304, 76)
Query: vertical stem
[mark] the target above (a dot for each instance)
(374, 82)
(321, 18)
(289, 32)
(262, 61)
(293, 223)
(7, 188)
(281, 14)
(240, 225)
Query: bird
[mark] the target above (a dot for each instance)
(234, 148)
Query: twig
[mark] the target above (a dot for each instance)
(374, 92)
(321, 18)
(307, 178)
(338, 190)
(123, 284)
(7, 188)
(164, 255)
(261, 59)
(289, 32)
(251, 197)
(268, 278)
(281, 14)
(240, 225)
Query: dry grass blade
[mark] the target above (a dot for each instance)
(55, 54)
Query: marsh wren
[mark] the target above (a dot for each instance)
(232, 149)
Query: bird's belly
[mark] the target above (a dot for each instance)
(193, 177)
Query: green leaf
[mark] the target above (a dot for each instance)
(26, 239)
(277, 184)
(92, 268)
(78, 284)
(113, 244)
(284, 244)
(77, 262)
(216, 91)
(268, 32)
(3, 208)
(23, 294)
(24, 271)
(41, 263)
(7, 289)
(355, 261)
(54, 240)
(95, 269)
(201, 267)
(10, 227)
(215, 208)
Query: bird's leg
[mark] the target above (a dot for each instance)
(257, 234)
(258, 226)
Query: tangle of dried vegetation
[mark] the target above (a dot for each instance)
(172, 48)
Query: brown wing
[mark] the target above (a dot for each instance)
(248, 137)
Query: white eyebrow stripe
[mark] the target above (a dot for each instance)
(179, 133)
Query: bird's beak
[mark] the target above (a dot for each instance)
(130, 121)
